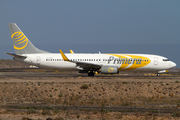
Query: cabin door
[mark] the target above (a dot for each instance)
(155, 61)
(38, 60)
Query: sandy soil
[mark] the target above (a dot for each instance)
(111, 91)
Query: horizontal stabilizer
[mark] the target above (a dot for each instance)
(16, 56)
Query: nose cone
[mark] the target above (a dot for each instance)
(173, 64)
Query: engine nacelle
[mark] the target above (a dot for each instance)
(109, 70)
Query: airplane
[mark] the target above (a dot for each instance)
(109, 63)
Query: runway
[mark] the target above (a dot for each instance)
(34, 72)
(50, 75)
(69, 74)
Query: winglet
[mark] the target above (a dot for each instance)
(63, 56)
(71, 52)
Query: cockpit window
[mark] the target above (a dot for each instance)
(165, 59)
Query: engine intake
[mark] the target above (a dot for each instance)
(109, 70)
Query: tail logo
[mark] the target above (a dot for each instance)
(20, 39)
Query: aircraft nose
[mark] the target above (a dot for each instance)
(173, 64)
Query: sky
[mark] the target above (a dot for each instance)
(90, 26)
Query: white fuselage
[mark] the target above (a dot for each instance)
(124, 62)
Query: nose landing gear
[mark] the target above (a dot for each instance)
(91, 73)
(158, 74)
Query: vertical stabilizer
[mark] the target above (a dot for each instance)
(21, 44)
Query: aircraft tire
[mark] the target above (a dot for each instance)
(91, 73)
(158, 74)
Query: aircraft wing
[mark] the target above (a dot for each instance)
(84, 65)
(87, 65)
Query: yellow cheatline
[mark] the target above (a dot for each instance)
(109, 74)
(122, 57)
(64, 56)
(145, 74)
(167, 70)
(143, 63)
(126, 57)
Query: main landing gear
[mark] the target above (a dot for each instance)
(91, 73)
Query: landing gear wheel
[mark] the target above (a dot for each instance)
(91, 73)
(158, 74)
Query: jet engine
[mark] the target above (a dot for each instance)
(109, 70)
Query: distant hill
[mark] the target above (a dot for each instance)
(12, 64)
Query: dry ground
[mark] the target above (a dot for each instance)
(149, 92)
(82, 115)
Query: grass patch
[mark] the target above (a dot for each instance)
(84, 86)
(31, 111)
(60, 95)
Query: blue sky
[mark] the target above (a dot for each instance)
(118, 26)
